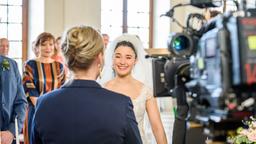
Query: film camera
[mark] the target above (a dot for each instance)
(216, 66)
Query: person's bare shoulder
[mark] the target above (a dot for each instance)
(109, 84)
(138, 83)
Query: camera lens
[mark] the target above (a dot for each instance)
(180, 43)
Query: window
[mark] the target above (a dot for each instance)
(12, 26)
(127, 16)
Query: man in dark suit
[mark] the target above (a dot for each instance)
(12, 99)
(81, 111)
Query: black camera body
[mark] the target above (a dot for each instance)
(217, 65)
(227, 52)
(223, 70)
(212, 70)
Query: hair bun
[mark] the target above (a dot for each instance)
(81, 45)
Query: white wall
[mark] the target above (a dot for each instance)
(179, 15)
(36, 22)
(78, 12)
(55, 16)
(63, 14)
(161, 25)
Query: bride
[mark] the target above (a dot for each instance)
(128, 73)
(141, 71)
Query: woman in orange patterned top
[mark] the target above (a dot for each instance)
(41, 75)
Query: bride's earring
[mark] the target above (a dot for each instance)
(113, 71)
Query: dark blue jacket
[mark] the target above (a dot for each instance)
(82, 112)
(13, 102)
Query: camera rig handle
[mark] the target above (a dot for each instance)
(180, 126)
(180, 123)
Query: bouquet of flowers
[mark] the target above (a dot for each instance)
(245, 135)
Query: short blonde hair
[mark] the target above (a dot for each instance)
(80, 46)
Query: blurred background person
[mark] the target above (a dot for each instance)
(105, 39)
(57, 56)
(41, 75)
(4, 46)
(125, 55)
(81, 111)
(35, 49)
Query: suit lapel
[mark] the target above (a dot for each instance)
(1, 70)
(1, 81)
(5, 76)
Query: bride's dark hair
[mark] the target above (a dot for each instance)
(128, 44)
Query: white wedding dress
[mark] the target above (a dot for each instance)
(139, 105)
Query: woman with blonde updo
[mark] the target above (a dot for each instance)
(82, 111)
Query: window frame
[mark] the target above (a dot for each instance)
(25, 4)
(24, 31)
(151, 20)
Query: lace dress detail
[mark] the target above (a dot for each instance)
(140, 108)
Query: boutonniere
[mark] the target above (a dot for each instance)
(5, 65)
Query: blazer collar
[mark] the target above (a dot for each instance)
(3, 57)
(82, 83)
